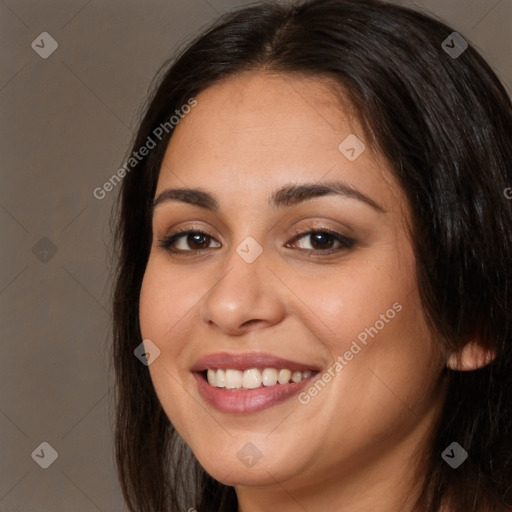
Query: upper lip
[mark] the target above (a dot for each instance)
(247, 360)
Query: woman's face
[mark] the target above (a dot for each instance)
(258, 291)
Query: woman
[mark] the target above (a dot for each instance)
(315, 270)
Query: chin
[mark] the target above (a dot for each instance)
(234, 475)
(236, 467)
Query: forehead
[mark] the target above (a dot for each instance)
(255, 132)
(257, 106)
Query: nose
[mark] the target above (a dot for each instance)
(246, 297)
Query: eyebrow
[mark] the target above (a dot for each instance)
(288, 195)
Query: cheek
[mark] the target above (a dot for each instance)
(165, 298)
(166, 303)
(372, 317)
(390, 364)
(340, 303)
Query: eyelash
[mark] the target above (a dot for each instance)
(345, 242)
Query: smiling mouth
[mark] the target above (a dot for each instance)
(252, 390)
(254, 378)
(250, 382)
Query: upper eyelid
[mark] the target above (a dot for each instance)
(297, 232)
(309, 225)
(297, 236)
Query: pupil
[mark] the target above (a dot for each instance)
(320, 239)
(198, 239)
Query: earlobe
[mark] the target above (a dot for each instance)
(471, 356)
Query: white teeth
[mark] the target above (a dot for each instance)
(211, 376)
(269, 377)
(251, 379)
(284, 376)
(254, 378)
(233, 379)
(296, 376)
(221, 379)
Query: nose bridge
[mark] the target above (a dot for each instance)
(243, 279)
(243, 294)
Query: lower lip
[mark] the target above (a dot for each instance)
(247, 400)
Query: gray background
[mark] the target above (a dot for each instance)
(66, 125)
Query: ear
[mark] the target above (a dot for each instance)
(470, 357)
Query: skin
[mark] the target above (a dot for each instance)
(360, 443)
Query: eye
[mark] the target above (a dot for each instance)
(323, 241)
(187, 241)
(320, 241)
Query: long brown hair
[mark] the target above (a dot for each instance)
(445, 125)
